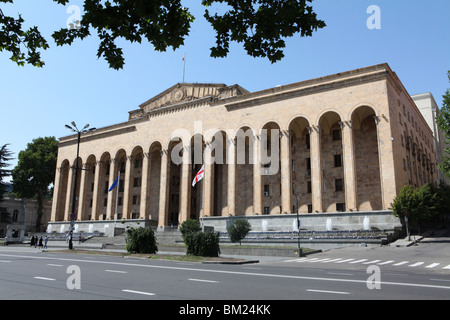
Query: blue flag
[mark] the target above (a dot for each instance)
(115, 183)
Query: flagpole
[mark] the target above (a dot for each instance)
(117, 201)
(184, 65)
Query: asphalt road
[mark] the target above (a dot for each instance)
(358, 273)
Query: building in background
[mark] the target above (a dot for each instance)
(430, 110)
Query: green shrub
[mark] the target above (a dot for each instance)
(238, 230)
(204, 244)
(189, 226)
(198, 243)
(141, 240)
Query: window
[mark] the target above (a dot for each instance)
(309, 208)
(308, 187)
(339, 184)
(266, 190)
(336, 135)
(337, 160)
(137, 163)
(15, 215)
(308, 141)
(340, 207)
(266, 210)
(308, 166)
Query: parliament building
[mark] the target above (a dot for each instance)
(338, 147)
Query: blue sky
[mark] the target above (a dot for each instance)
(76, 86)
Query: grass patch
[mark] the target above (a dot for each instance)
(172, 257)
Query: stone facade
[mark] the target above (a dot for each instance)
(342, 143)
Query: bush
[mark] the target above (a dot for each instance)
(141, 240)
(198, 243)
(238, 230)
(189, 226)
(204, 244)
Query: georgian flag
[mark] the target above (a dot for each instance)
(199, 176)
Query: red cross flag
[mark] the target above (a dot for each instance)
(199, 176)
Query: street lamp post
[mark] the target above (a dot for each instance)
(74, 128)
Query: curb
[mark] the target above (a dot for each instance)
(230, 262)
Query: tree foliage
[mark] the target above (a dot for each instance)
(238, 230)
(261, 25)
(5, 156)
(35, 171)
(421, 205)
(443, 122)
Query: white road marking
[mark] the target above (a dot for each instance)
(400, 263)
(202, 280)
(54, 265)
(371, 262)
(138, 292)
(5, 261)
(326, 291)
(116, 271)
(385, 262)
(43, 278)
(447, 267)
(432, 265)
(416, 264)
(358, 261)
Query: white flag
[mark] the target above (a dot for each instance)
(199, 176)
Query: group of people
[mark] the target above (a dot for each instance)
(39, 242)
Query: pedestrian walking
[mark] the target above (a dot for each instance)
(32, 241)
(40, 243)
(45, 242)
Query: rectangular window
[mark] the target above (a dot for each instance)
(309, 208)
(340, 207)
(337, 135)
(266, 190)
(339, 184)
(266, 210)
(337, 160)
(308, 187)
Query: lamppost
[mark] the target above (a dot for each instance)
(300, 253)
(74, 128)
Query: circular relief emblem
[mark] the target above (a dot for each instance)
(178, 94)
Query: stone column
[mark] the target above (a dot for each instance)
(145, 186)
(257, 177)
(69, 195)
(95, 194)
(231, 163)
(126, 191)
(164, 191)
(56, 195)
(82, 193)
(111, 204)
(286, 176)
(208, 180)
(316, 169)
(349, 166)
(185, 190)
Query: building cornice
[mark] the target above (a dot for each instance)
(333, 82)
